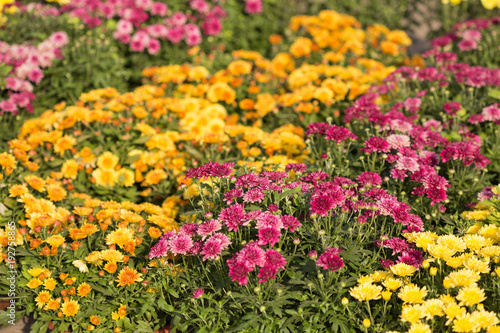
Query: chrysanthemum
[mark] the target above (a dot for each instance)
(476, 242)
(128, 276)
(485, 319)
(111, 255)
(84, 289)
(366, 292)
(70, 308)
(42, 299)
(52, 305)
(110, 267)
(463, 277)
(477, 265)
(120, 237)
(471, 295)
(412, 313)
(34, 283)
(80, 265)
(452, 242)
(403, 269)
(411, 293)
(55, 240)
(107, 161)
(439, 251)
(95, 320)
(49, 284)
(433, 307)
(420, 328)
(464, 323)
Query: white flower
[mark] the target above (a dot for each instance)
(3, 209)
(81, 266)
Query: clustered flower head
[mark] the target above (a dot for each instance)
(27, 63)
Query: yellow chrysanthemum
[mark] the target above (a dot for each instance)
(107, 161)
(70, 308)
(403, 269)
(366, 292)
(471, 295)
(42, 299)
(84, 289)
(128, 276)
(411, 293)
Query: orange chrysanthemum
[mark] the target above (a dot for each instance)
(128, 276)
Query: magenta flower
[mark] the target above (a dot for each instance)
(322, 204)
(198, 293)
(339, 134)
(491, 113)
(290, 223)
(331, 261)
(212, 249)
(269, 235)
(208, 228)
(252, 256)
(180, 244)
(253, 6)
(254, 195)
(238, 271)
(376, 144)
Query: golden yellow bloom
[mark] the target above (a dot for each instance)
(439, 251)
(34, 283)
(464, 323)
(463, 277)
(110, 267)
(89, 229)
(107, 161)
(52, 305)
(392, 284)
(154, 177)
(411, 293)
(83, 211)
(95, 320)
(111, 256)
(433, 307)
(471, 295)
(84, 289)
(126, 177)
(403, 269)
(106, 178)
(477, 265)
(35, 271)
(35, 182)
(452, 242)
(42, 299)
(18, 190)
(55, 240)
(64, 143)
(366, 292)
(49, 284)
(7, 161)
(120, 237)
(419, 328)
(128, 276)
(412, 313)
(476, 242)
(56, 193)
(70, 308)
(70, 169)
(366, 322)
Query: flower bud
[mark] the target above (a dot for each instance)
(256, 289)
(433, 271)
(425, 264)
(366, 322)
(262, 308)
(386, 295)
(296, 241)
(345, 301)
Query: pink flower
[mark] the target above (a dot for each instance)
(8, 106)
(491, 113)
(376, 144)
(233, 216)
(180, 244)
(266, 220)
(253, 6)
(59, 39)
(413, 104)
(178, 19)
(154, 46)
(208, 228)
(198, 293)
(467, 45)
(238, 271)
(312, 254)
(339, 134)
(144, 4)
(137, 46)
(274, 259)
(159, 8)
(35, 75)
(212, 249)
(193, 39)
(290, 223)
(159, 250)
(322, 204)
(267, 273)
(407, 163)
(124, 27)
(269, 235)
(397, 141)
(252, 256)
(369, 179)
(200, 6)
(211, 26)
(331, 261)
(473, 35)
(254, 195)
